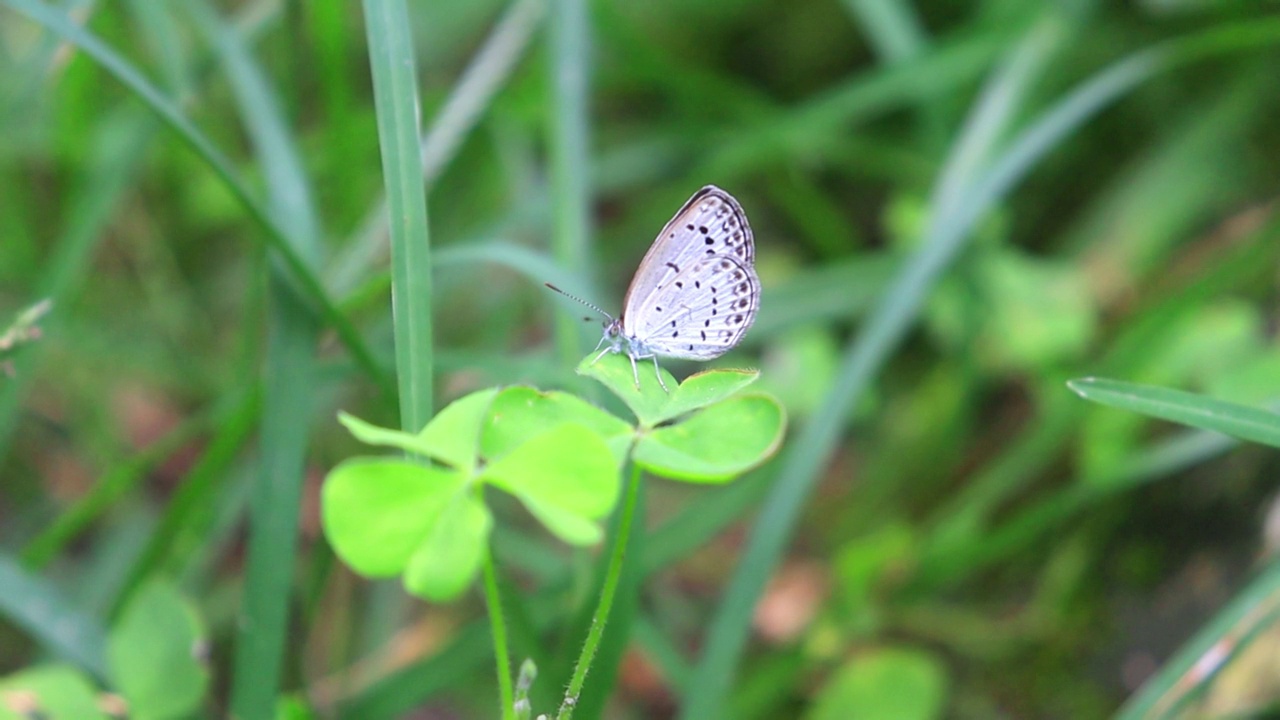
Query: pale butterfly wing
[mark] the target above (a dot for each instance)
(702, 311)
(709, 238)
(710, 223)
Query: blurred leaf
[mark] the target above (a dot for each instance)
(445, 564)
(1248, 378)
(800, 366)
(292, 707)
(899, 683)
(715, 444)
(377, 512)
(1246, 423)
(1027, 314)
(49, 692)
(862, 563)
(155, 654)
(172, 116)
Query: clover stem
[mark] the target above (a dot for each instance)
(611, 578)
(499, 630)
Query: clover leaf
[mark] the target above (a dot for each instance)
(155, 654)
(424, 516)
(716, 443)
(699, 431)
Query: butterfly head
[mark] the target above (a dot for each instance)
(614, 336)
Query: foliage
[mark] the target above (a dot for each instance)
(213, 238)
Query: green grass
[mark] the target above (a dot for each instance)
(956, 211)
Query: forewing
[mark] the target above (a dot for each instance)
(710, 223)
(702, 312)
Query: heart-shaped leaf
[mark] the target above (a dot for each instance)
(520, 413)
(890, 683)
(569, 527)
(568, 467)
(377, 511)
(615, 371)
(703, 389)
(56, 692)
(446, 562)
(716, 443)
(453, 435)
(153, 651)
(371, 434)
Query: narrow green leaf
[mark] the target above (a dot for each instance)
(154, 652)
(470, 97)
(109, 490)
(716, 444)
(395, 92)
(31, 603)
(1197, 663)
(446, 563)
(898, 310)
(288, 380)
(704, 388)
(378, 511)
(118, 146)
(1198, 411)
(569, 149)
(276, 236)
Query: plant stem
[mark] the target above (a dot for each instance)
(499, 630)
(607, 592)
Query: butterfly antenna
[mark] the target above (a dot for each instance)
(584, 302)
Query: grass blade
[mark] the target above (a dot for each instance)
(897, 312)
(492, 65)
(802, 464)
(34, 605)
(105, 180)
(288, 384)
(1198, 411)
(276, 237)
(395, 90)
(570, 164)
(1226, 635)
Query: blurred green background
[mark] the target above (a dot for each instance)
(957, 208)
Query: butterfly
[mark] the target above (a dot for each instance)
(695, 293)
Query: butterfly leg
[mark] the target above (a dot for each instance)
(634, 372)
(603, 352)
(659, 374)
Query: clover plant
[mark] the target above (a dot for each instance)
(422, 514)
